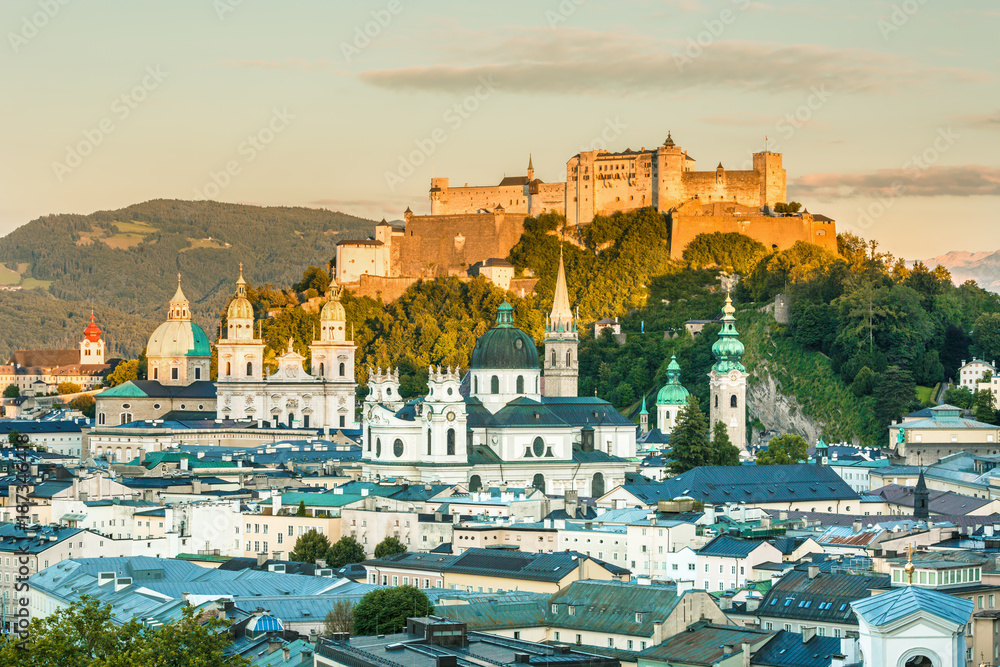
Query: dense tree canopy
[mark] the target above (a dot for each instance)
(345, 551)
(390, 546)
(689, 444)
(385, 610)
(783, 450)
(310, 547)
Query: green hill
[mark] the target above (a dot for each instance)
(124, 264)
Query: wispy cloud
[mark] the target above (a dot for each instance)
(958, 181)
(578, 61)
(984, 120)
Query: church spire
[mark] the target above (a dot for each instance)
(728, 350)
(561, 317)
(180, 307)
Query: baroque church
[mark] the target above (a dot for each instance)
(503, 422)
(178, 385)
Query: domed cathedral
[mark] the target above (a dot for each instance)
(495, 426)
(562, 365)
(178, 352)
(671, 398)
(728, 380)
(290, 396)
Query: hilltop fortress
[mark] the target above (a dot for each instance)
(470, 228)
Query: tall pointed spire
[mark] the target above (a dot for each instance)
(561, 317)
(180, 307)
(728, 350)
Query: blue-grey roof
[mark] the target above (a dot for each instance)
(28, 427)
(750, 484)
(902, 602)
(786, 649)
(826, 597)
(16, 539)
(730, 547)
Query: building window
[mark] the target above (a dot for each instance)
(197, 373)
(494, 385)
(249, 369)
(429, 442)
(451, 442)
(342, 369)
(174, 373)
(520, 384)
(229, 369)
(732, 401)
(569, 359)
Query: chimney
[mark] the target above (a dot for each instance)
(813, 571)
(808, 632)
(657, 633)
(571, 499)
(286, 653)
(856, 526)
(273, 645)
(261, 558)
(752, 603)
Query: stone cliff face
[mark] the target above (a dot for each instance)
(778, 412)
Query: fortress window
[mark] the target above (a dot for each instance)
(249, 369)
(520, 384)
(494, 385)
(451, 442)
(732, 401)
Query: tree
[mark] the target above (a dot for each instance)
(86, 404)
(986, 336)
(724, 452)
(69, 388)
(313, 278)
(385, 610)
(345, 551)
(125, 371)
(310, 547)
(960, 397)
(84, 635)
(864, 382)
(390, 546)
(301, 511)
(783, 450)
(11, 391)
(340, 618)
(689, 446)
(13, 437)
(895, 394)
(983, 407)
(790, 207)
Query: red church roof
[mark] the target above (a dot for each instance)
(92, 332)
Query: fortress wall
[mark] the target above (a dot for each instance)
(781, 233)
(449, 244)
(742, 186)
(550, 197)
(618, 194)
(456, 201)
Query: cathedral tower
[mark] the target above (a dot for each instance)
(178, 352)
(561, 363)
(728, 380)
(241, 354)
(91, 347)
(333, 361)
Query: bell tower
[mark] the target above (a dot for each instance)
(562, 365)
(91, 347)
(728, 380)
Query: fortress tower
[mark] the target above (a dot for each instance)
(728, 380)
(562, 364)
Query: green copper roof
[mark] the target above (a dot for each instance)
(673, 392)
(728, 350)
(644, 411)
(124, 390)
(504, 346)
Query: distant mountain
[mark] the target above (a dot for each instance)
(124, 264)
(983, 267)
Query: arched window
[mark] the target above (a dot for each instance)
(475, 483)
(475, 385)
(553, 358)
(342, 368)
(229, 369)
(494, 385)
(156, 373)
(378, 446)
(716, 400)
(451, 442)
(369, 440)
(322, 369)
(429, 439)
(539, 482)
(520, 384)
(732, 401)
(249, 369)
(569, 358)
(597, 485)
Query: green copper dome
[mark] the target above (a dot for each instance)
(728, 350)
(673, 392)
(504, 346)
(176, 338)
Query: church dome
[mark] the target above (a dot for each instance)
(333, 310)
(239, 307)
(178, 338)
(504, 346)
(673, 392)
(92, 332)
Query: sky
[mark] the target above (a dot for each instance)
(887, 113)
